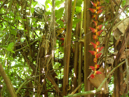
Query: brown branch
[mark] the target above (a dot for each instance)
(123, 45)
(7, 82)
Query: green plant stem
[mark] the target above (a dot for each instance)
(99, 88)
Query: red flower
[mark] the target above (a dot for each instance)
(92, 10)
(95, 22)
(98, 3)
(94, 45)
(99, 32)
(95, 16)
(99, 49)
(96, 66)
(62, 39)
(99, 11)
(95, 60)
(98, 7)
(92, 67)
(98, 72)
(99, 27)
(93, 4)
(93, 52)
(62, 44)
(97, 43)
(95, 37)
(98, 55)
(92, 76)
(93, 29)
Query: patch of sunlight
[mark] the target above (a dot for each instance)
(94, 91)
(122, 16)
(12, 64)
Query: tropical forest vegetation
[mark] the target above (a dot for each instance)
(64, 48)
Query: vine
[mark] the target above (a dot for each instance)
(97, 30)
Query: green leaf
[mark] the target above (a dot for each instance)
(58, 13)
(76, 21)
(58, 3)
(60, 22)
(79, 2)
(11, 13)
(19, 65)
(34, 3)
(47, 1)
(78, 9)
(13, 31)
(10, 47)
(48, 13)
(32, 10)
(107, 1)
(124, 2)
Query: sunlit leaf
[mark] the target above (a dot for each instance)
(59, 13)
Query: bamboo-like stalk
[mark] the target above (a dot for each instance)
(80, 53)
(76, 57)
(67, 45)
(87, 39)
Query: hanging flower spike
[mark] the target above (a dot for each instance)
(92, 67)
(93, 29)
(99, 27)
(95, 5)
(92, 76)
(99, 11)
(95, 37)
(92, 10)
(95, 22)
(98, 72)
(99, 32)
(99, 49)
(98, 55)
(93, 52)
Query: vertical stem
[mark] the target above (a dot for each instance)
(67, 45)
(7, 82)
(80, 54)
(87, 39)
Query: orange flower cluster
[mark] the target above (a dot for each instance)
(97, 32)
